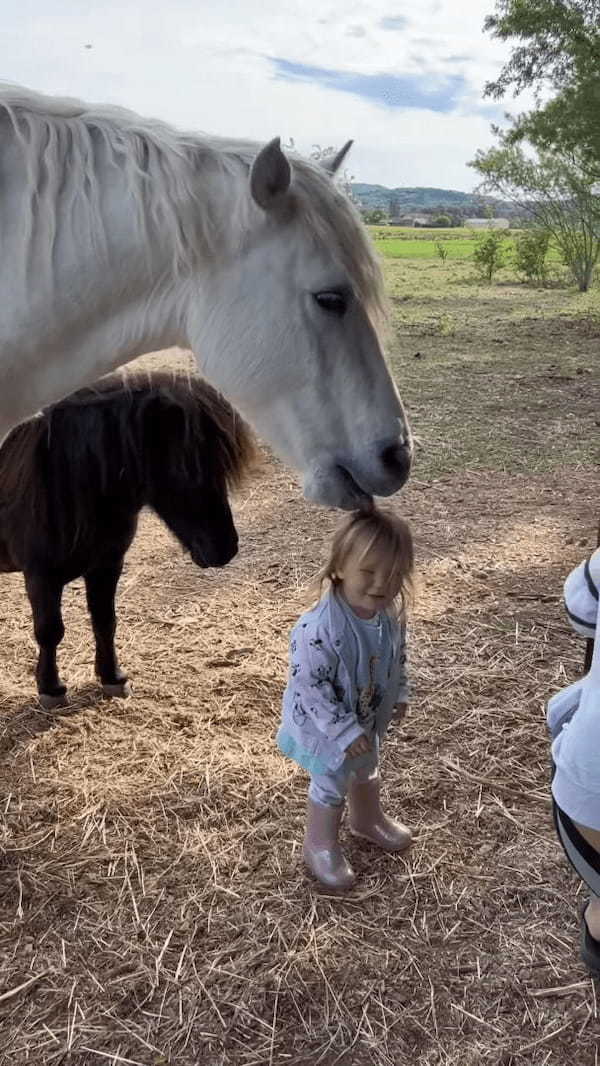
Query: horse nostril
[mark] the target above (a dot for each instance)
(396, 457)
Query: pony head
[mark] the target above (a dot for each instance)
(196, 450)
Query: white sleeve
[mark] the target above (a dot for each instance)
(581, 600)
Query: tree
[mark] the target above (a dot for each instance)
(489, 253)
(322, 153)
(558, 47)
(531, 249)
(346, 184)
(556, 192)
(374, 217)
(343, 180)
(442, 221)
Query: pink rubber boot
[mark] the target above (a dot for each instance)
(322, 852)
(368, 820)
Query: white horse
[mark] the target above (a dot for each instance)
(120, 235)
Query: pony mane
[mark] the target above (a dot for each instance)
(165, 171)
(94, 438)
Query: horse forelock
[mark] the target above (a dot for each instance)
(234, 444)
(170, 176)
(327, 214)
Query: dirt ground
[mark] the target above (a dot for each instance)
(153, 905)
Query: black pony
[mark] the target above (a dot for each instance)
(74, 479)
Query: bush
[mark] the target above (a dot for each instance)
(530, 254)
(374, 217)
(441, 250)
(489, 253)
(442, 221)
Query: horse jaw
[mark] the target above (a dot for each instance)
(334, 488)
(315, 385)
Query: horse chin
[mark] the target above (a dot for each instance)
(336, 488)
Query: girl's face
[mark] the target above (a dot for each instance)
(365, 581)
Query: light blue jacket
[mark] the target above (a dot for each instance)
(319, 719)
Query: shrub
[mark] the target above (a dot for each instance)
(530, 254)
(441, 250)
(489, 253)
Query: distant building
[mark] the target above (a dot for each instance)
(487, 223)
(410, 220)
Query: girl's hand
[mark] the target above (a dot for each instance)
(400, 710)
(360, 746)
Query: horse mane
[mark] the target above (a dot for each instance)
(79, 448)
(165, 169)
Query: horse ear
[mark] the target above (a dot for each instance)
(333, 165)
(270, 176)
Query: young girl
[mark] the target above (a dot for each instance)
(347, 679)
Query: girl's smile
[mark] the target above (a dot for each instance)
(365, 583)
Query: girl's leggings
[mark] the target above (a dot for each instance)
(330, 789)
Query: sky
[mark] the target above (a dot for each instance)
(404, 80)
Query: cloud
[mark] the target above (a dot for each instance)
(389, 90)
(415, 117)
(394, 22)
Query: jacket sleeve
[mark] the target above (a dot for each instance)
(320, 686)
(581, 600)
(403, 693)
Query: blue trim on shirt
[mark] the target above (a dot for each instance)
(288, 746)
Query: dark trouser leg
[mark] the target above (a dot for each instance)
(582, 848)
(45, 596)
(101, 586)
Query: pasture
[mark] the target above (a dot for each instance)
(153, 904)
(406, 242)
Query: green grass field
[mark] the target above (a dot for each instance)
(421, 248)
(405, 242)
(400, 242)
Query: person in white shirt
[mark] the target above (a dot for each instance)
(573, 716)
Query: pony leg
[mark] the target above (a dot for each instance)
(45, 596)
(101, 586)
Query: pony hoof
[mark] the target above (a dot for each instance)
(120, 691)
(50, 703)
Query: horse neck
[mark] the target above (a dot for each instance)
(89, 280)
(88, 302)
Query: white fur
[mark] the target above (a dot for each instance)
(120, 235)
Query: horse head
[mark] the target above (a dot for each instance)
(288, 329)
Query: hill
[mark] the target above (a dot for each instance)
(402, 201)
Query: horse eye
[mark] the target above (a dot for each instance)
(334, 302)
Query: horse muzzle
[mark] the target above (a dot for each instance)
(208, 556)
(351, 482)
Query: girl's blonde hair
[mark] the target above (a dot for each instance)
(379, 530)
